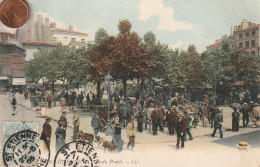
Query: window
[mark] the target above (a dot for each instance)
(247, 44)
(82, 40)
(73, 39)
(65, 39)
(54, 39)
(253, 32)
(240, 44)
(252, 43)
(253, 53)
(247, 34)
(240, 35)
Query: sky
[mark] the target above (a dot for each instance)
(178, 23)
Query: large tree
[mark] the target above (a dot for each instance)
(128, 59)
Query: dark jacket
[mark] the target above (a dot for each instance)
(218, 119)
(181, 125)
(188, 120)
(94, 121)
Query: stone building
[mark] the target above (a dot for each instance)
(12, 59)
(245, 36)
(68, 36)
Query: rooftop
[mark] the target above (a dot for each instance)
(251, 27)
(69, 31)
(38, 44)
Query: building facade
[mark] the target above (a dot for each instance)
(244, 36)
(12, 59)
(68, 37)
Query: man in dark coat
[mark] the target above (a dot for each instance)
(235, 121)
(155, 121)
(188, 120)
(161, 117)
(172, 118)
(245, 111)
(66, 96)
(218, 119)
(46, 132)
(180, 127)
(140, 120)
(95, 123)
(49, 101)
(130, 113)
(124, 114)
(212, 115)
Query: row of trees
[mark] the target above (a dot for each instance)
(128, 56)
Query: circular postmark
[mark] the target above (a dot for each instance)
(14, 13)
(78, 153)
(22, 149)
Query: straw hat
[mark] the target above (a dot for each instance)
(174, 107)
(243, 144)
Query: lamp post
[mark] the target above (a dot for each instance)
(108, 80)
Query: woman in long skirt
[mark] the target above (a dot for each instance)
(60, 136)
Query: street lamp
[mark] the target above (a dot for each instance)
(108, 83)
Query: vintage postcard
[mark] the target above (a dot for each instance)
(129, 83)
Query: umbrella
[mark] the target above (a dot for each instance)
(236, 105)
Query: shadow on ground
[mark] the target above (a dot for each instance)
(253, 138)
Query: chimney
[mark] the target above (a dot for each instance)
(71, 27)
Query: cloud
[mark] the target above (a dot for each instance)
(176, 45)
(149, 8)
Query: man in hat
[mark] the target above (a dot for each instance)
(76, 124)
(212, 115)
(149, 112)
(245, 110)
(195, 113)
(218, 119)
(46, 133)
(172, 118)
(251, 106)
(235, 120)
(256, 114)
(180, 127)
(140, 120)
(188, 120)
(204, 115)
(14, 104)
(155, 121)
(64, 120)
(161, 118)
(130, 112)
(130, 130)
(95, 123)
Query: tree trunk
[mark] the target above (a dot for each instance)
(53, 86)
(98, 90)
(124, 87)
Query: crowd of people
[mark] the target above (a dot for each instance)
(149, 112)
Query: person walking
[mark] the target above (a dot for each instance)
(49, 100)
(130, 113)
(155, 121)
(95, 123)
(60, 135)
(46, 134)
(180, 128)
(161, 118)
(76, 124)
(64, 120)
(218, 120)
(188, 120)
(170, 120)
(124, 115)
(235, 120)
(195, 113)
(256, 114)
(62, 103)
(245, 110)
(140, 120)
(131, 134)
(88, 100)
(149, 112)
(212, 115)
(14, 105)
(204, 115)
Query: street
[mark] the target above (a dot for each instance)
(200, 151)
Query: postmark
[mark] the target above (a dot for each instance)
(76, 153)
(22, 149)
